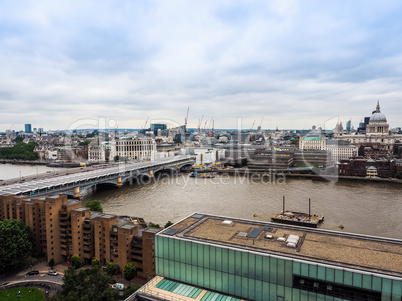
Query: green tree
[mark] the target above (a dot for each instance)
(168, 224)
(51, 263)
(152, 225)
(95, 263)
(398, 175)
(111, 268)
(19, 139)
(87, 284)
(116, 158)
(75, 261)
(129, 272)
(85, 142)
(16, 244)
(94, 205)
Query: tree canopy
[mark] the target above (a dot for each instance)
(111, 268)
(20, 151)
(87, 284)
(75, 261)
(16, 244)
(129, 271)
(94, 205)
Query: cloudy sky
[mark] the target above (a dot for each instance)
(64, 64)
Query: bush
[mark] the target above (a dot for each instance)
(75, 261)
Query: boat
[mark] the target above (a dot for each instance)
(298, 218)
(196, 174)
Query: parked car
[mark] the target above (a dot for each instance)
(52, 273)
(118, 286)
(33, 272)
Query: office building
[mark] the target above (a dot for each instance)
(158, 126)
(28, 128)
(207, 257)
(61, 227)
(132, 148)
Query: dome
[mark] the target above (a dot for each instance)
(378, 117)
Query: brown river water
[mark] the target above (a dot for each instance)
(361, 207)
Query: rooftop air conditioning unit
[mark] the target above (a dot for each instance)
(227, 223)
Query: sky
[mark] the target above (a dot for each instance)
(79, 64)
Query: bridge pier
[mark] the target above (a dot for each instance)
(77, 193)
(119, 183)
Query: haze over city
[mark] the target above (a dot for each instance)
(296, 63)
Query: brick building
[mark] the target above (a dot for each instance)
(61, 227)
(362, 167)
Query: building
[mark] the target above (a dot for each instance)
(207, 257)
(362, 167)
(158, 126)
(313, 141)
(266, 159)
(132, 148)
(61, 227)
(28, 128)
(375, 130)
(341, 150)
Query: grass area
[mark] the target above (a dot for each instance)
(27, 294)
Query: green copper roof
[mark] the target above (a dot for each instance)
(312, 138)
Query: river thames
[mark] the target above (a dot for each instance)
(372, 208)
(361, 207)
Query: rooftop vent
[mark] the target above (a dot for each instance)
(242, 234)
(227, 223)
(292, 241)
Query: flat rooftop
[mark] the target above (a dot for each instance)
(348, 250)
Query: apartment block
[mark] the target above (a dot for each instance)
(62, 227)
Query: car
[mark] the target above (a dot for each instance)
(52, 273)
(118, 286)
(33, 272)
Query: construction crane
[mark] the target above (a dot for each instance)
(203, 130)
(262, 119)
(145, 124)
(186, 119)
(199, 125)
(251, 130)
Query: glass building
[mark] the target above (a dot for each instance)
(28, 128)
(267, 261)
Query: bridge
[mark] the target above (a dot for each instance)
(82, 180)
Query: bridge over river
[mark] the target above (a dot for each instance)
(83, 179)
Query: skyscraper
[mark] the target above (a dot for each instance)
(28, 128)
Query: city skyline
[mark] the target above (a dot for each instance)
(294, 63)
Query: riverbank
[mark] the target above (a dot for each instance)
(314, 177)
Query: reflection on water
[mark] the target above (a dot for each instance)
(362, 207)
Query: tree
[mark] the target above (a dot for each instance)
(116, 158)
(398, 175)
(19, 139)
(87, 284)
(152, 225)
(16, 244)
(51, 263)
(129, 271)
(95, 263)
(94, 205)
(168, 224)
(75, 261)
(111, 268)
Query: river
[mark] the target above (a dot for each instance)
(11, 171)
(371, 208)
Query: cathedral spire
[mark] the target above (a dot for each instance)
(378, 107)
